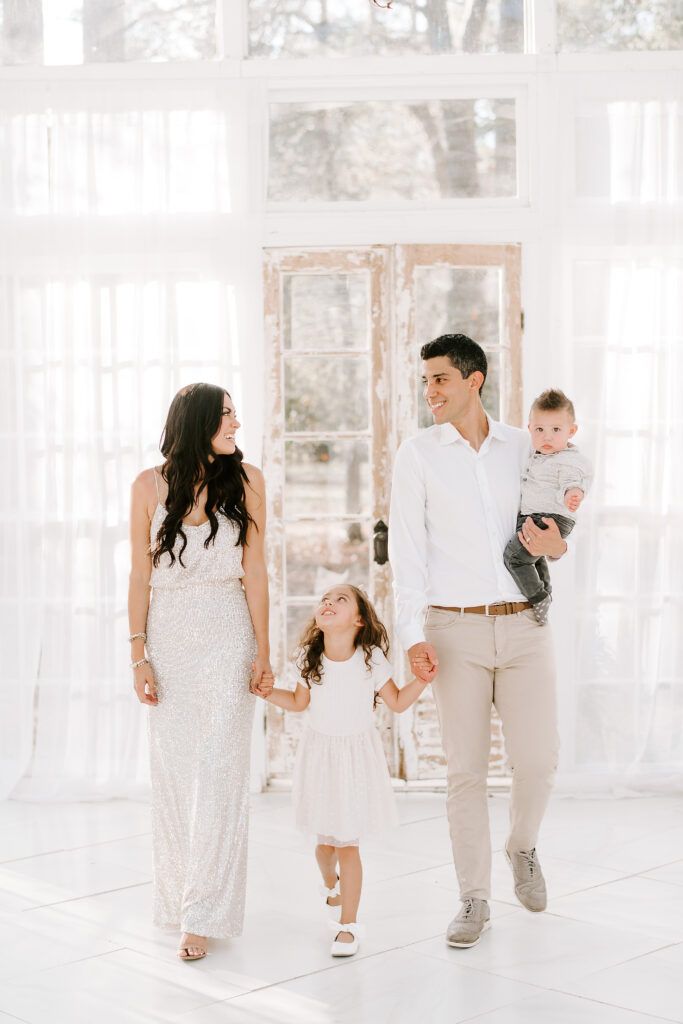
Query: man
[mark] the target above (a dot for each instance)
(454, 505)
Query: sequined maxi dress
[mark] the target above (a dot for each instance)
(200, 642)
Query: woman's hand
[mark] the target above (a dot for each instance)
(145, 686)
(262, 678)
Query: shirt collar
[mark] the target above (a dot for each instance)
(448, 433)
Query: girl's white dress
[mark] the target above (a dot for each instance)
(341, 787)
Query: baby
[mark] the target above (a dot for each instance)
(554, 484)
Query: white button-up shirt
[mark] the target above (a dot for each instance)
(453, 510)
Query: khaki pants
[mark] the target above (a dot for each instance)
(506, 660)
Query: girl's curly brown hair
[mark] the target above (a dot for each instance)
(312, 643)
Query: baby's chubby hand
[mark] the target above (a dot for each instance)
(573, 498)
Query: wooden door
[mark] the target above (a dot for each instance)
(344, 329)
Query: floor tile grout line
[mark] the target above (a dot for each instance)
(87, 896)
(295, 977)
(13, 1016)
(73, 849)
(605, 867)
(549, 988)
(614, 1006)
(363, 958)
(308, 974)
(572, 995)
(622, 878)
(582, 920)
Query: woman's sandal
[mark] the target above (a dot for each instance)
(185, 954)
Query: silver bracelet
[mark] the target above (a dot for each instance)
(136, 636)
(142, 661)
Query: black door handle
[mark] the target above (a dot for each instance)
(381, 542)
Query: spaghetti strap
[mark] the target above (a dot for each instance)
(156, 481)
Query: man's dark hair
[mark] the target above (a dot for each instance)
(464, 354)
(553, 400)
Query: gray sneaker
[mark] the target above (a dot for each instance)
(529, 881)
(466, 927)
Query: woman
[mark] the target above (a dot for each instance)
(197, 531)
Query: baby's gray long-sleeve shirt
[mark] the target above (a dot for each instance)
(547, 478)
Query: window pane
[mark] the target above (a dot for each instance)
(383, 150)
(630, 151)
(322, 555)
(116, 162)
(585, 25)
(298, 617)
(302, 28)
(462, 300)
(323, 311)
(458, 300)
(607, 649)
(84, 31)
(324, 477)
(326, 393)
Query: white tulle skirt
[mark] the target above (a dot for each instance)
(341, 786)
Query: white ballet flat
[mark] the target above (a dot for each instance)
(346, 948)
(327, 893)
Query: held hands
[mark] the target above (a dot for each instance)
(145, 686)
(542, 542)
(423, 661)
(573, 498)
(262, 678)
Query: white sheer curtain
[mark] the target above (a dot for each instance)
(124, 276)
(623, 292)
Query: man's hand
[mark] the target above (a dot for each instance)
(573, 498)
(542, 542)
(423, 661)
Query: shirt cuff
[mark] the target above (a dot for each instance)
(410, 635)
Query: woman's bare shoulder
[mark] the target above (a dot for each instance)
(254, 475)
(145, 489)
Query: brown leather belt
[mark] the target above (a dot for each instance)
(505, 608)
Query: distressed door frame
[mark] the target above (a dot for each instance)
(408, 259)
(277, 264)
(394, 417)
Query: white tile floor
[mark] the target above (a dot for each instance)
(78, 946)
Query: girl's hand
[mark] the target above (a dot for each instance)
(266, 686)
(262, 678)
(423, 661)
(145, 686)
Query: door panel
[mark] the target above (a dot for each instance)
(344, 329)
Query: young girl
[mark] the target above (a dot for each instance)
(342, 789)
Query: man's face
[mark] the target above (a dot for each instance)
(551, 431)
(448, 395)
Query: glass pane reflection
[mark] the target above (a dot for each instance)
(458, 300)
(327, 393)
(324, 311)
(327, 477)
(321, 555)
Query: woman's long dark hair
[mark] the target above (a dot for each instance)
(190, 464)
(370, 635)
